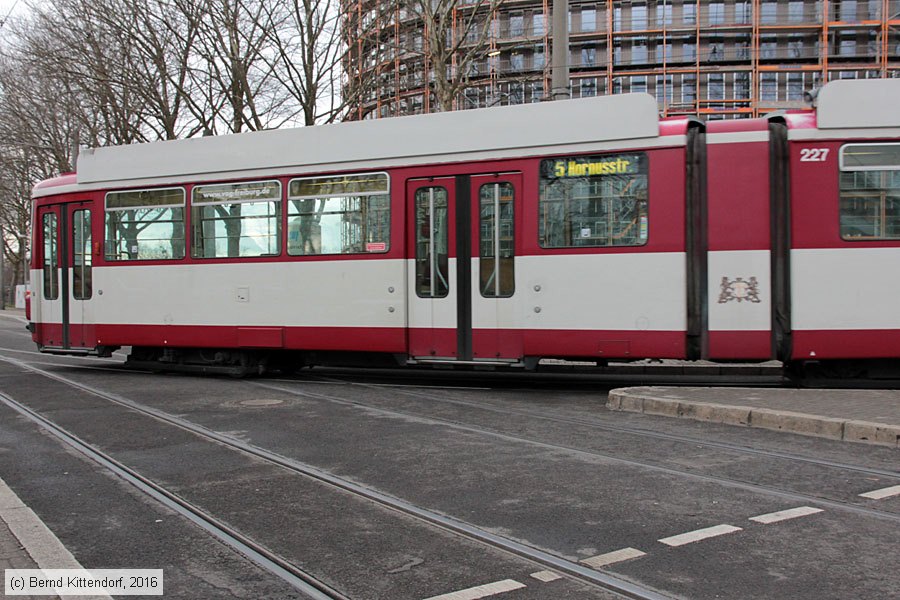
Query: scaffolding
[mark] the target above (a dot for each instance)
(712, 59)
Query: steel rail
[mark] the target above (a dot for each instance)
(732, 483)
(467, 530)
(642, 432)
(268, 560)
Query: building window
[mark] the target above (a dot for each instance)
(588, 19)
(537, 24)
(145, 224)
(593, 201)
(345, 214)
(689, 14)
(847, 46)
(742, 86)
(689, 89)
(588, 56)
(236, 220)
(870, 192)
(768, 47)
(585, 88)
(742, 12)
(516, 62)
(716, 13)
(795, 11)
(638, 84)
(768, 13)
(664, 14)
(795, 87)
(664, 89)
(639, 17)
(795, 45)
(874, 12)
(639, 51)
(715, 87)
(768, 87)
(516, 24)
(847, 10)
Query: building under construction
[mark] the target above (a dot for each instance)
(714, 59)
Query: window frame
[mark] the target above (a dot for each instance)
(644, 159)
(278, 216)
(50, 264)
(390, 210)
(184, 216)
(880, 194)
(83, 272)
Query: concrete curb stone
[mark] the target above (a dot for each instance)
(849, 430)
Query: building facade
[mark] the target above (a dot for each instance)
(711, 58)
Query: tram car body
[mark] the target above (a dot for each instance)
(587, 230)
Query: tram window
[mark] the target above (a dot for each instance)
(346, 214)
(593, 201)
(236, 219)
(497, 244)
(432, 243)
(870, 192)
(51, 258)
(82, 285)
(145, 224)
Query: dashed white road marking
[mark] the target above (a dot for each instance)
(546, 576)
(482, 591)
(698, 535)
(609, 558)
(784, 515)
(887, 492)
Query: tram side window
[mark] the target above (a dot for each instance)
(233, 220)
(346, 214)
(51, 258)
(870, 192)
(593, 201)
(82, 288)
(145, 224)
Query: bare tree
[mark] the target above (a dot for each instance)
(457, 34)
(231, 65)
(306, 57)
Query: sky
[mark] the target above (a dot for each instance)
(14, 7)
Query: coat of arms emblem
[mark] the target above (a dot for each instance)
(739, 290)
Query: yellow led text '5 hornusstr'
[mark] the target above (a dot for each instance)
(584, 169)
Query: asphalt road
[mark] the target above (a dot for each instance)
(538, 462)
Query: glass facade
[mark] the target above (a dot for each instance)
(713, 58)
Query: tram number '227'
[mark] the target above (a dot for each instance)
(813, 154)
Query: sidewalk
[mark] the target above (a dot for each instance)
(866, 416)
(26, 543)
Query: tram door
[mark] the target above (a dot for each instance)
(462, 279)
(63, 295)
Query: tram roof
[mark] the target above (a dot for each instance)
(477, 134)
(855, 103)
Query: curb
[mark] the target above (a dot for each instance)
(37, 540)
(846, 430)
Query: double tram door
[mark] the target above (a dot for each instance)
(461, 292)
(65, 289)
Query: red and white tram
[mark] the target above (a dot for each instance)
(586, 229)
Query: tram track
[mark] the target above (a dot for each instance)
(593, 454)
(634, 431)
(301, 580)
(463, 529)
